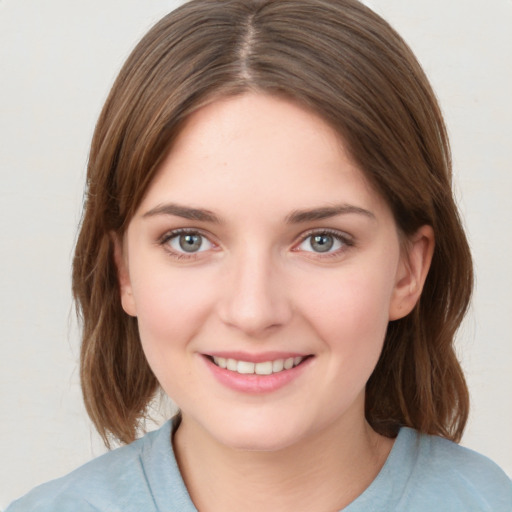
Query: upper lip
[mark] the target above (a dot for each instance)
(255, 358)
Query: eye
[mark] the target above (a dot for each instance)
(323, 242)
(188, 242)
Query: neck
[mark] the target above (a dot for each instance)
(325, 472)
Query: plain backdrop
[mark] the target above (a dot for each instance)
(58, 60)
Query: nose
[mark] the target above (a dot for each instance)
(254, 299)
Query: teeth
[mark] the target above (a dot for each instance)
(265, 368)
(278, 365)
(288, 363)
(245, 367)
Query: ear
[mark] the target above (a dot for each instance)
(123, 276)
(412, 272)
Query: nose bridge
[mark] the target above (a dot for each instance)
(254, 299)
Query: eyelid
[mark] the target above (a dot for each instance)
(346, 240)
(173, 233)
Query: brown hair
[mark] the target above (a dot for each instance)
(348, 65)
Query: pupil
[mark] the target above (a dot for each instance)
(190, 243)
(322, 243)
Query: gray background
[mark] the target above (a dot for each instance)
(57, 61)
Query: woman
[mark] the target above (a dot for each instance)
(270, 237)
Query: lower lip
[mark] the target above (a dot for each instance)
(256, 384)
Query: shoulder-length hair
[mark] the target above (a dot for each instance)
(342, 61)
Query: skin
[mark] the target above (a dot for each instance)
(257, 285)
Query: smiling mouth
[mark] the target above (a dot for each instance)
(263, 368)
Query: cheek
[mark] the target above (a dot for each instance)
(358, 299)
(170, 308)
(349, 309)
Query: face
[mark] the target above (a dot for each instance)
(263, 270)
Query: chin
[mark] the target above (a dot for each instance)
(259, 438)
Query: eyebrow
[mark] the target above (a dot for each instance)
(326, 212)
(295, 217)
(183, 211)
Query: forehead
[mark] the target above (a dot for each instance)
(259, 150)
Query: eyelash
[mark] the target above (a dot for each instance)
(167, 237)
(346, 241)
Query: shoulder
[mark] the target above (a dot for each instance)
(455, 477)
(114, 481)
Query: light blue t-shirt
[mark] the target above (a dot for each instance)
(422, 473)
